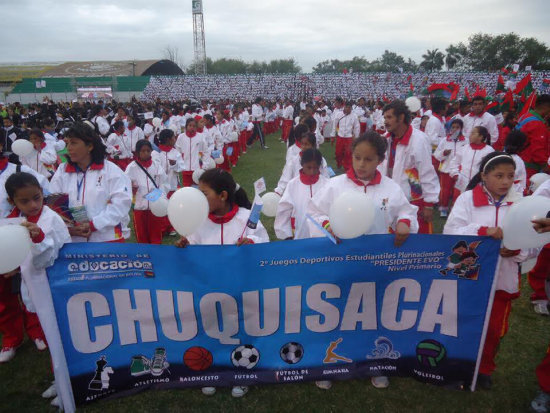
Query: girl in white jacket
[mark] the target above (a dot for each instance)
(169, 158)
(467, 160)
(98, 190)
(480, 210)
(43, 158)
(193, 148)
(48, 234)
(226, 225)
(146, 176)
(290, 222)
(445, 153)
(293, 164)
(393, 212)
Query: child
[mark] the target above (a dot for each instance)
(146, 175)
(225, 128)
(515, 142)
(169, 158)
(347, 128)
(293, 164)
(445, 152)
(48, 233)
(290, 222)
(226, 225)
(466, 162)
(393, 212)
(133, 133)
(193, 147)
(43, 158)
(119, 147)
(294, 141)
(480, 210)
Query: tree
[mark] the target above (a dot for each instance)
(433, 60)
(172, 53)
(454, 59)
(389, 62)
(283, 66)
(488, 52)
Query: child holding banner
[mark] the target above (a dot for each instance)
(393, 212)
(226, 225)
(479, 211)
(48, 233)
(291, 212)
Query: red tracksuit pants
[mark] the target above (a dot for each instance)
(342, 152)
(148, 227)
(498, 327)
(538, 275)
(15, 319)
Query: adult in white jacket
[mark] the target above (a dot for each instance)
(96, 185)
(409, 163)
(478, 117)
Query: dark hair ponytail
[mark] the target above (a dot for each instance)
(488, 164)
(312, 154)
(482, 130)
(220, 180)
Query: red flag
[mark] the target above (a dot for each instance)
(529, 104)
(500, 85)
(524, 86)
(467, 94)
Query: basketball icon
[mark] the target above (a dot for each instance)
(197, 358)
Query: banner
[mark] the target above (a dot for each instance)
(137, 316)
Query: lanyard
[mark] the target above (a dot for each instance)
(80, 182)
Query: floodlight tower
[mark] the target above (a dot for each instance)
(198, 38)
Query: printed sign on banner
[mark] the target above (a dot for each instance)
(136, 316)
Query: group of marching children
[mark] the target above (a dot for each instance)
(396, 171)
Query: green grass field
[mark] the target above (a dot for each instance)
(514, 383)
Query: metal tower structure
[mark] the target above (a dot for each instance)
(198, 38)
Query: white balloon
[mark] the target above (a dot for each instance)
(22, 147)
(159, 208)
(187, 210)
(413, 103)
(197, 173)
(517, 226)
(208, 163)
(219, 160)
(537, 179)
(15, 244)
(157, 122)
(271, 202)
(351, 215)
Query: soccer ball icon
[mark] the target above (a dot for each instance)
(246, 356)
(292, 353)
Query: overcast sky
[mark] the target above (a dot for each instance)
(308, 30)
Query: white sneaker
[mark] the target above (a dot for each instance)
(380, 382)
(56, 402)
(6, 354)
(541, 307)
(50, 392)
(40, 344)
(324, 384)
(239, 391)
(208, 391)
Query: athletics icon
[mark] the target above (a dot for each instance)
(331, 356)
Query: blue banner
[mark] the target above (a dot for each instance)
(136, 316)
